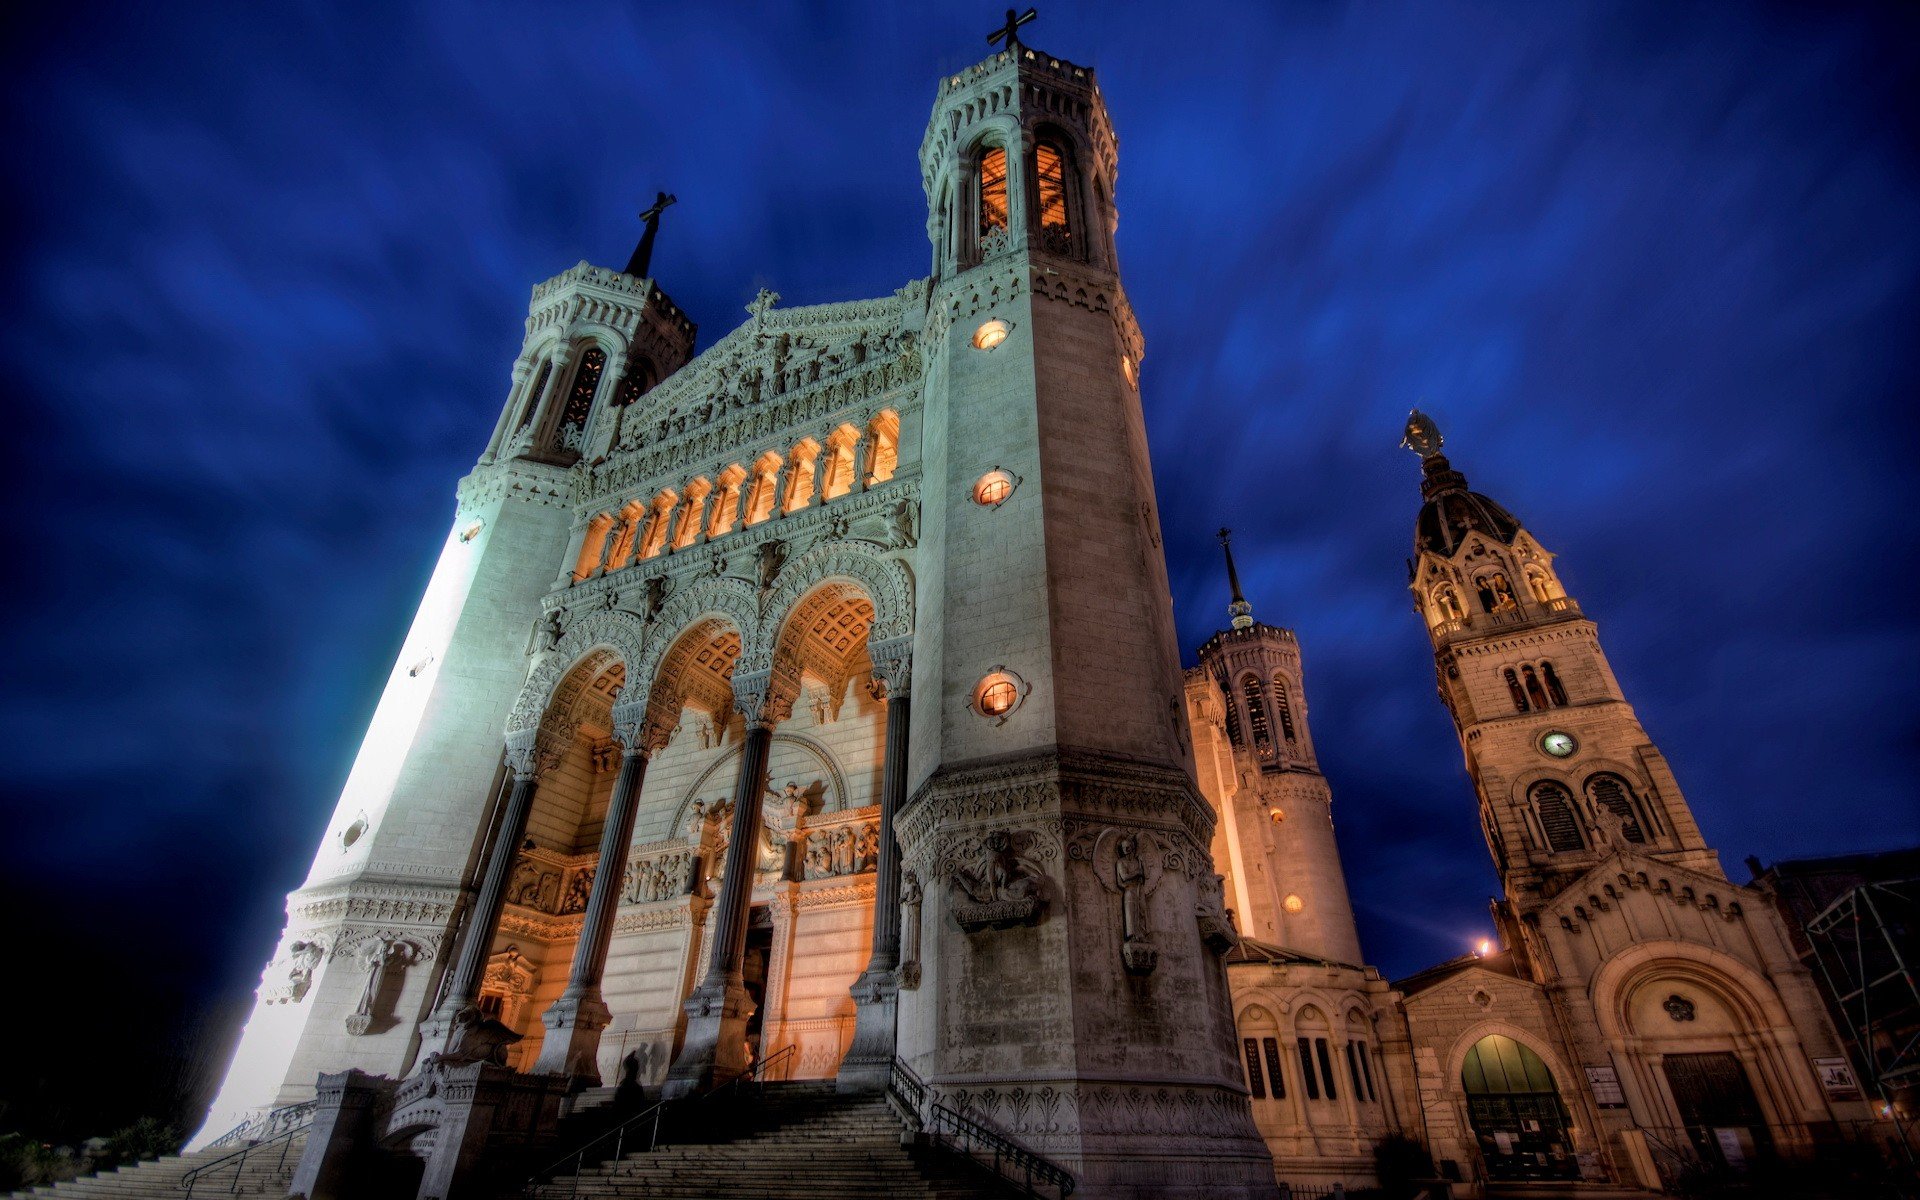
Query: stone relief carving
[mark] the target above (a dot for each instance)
(551, 883)
(1214, 917)
(1129, 864)
(664, 876)
(991, 885)
(379, 955)
(287, 980)
(908, 972)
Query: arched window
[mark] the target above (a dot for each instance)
(637, 382)
(1233, 714)
(1316, 1059)
(1516, 1112)
(884, 458)
(572, 433)
(1537, 581)
(1555, 692)
(763, 493)
(659, 523)
(1610, 792)
(1260, 1046)
(534, 393)
(1050, 194)
(1518, 693)
(1554, 806)
(1535, 692)
(800, 464)
(1284, 705)
(726, 503)
(993, 194)
(1256, 711)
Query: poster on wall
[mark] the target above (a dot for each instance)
(1836, 1077)
(1605, 1086)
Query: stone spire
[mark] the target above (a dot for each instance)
(1239, 610)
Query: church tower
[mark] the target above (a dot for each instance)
(1281, 864)
(1563, 769)
(1676, 992)
(1065, 993)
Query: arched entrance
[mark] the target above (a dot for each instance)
(1516, 1112)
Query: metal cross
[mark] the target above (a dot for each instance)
(1011, 33)
(642, 260)
(661, 201)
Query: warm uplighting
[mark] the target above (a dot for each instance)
(993, 488)
(1483, 949)
(1127, 368)
(471, 532)
(991, 334)
(1277, 814)
(1293, 903)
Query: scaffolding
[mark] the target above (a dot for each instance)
(1867, 945)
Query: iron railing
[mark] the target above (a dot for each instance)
(255, 1129)
(1007, 1158)
(644, 1123)
(238, 1159)
(985, 1147)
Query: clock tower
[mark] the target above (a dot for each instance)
(1563, 770)
(1656, 970)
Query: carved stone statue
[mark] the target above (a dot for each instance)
(1422, 436)
(999, 892)
(376, 956)
(903, 525)
(658, 589)
(1122, 867)
(556, 627)
(771, 556)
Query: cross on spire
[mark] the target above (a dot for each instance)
(1010, 33)
(642, 260)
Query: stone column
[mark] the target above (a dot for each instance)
(715, 1049)
(529, 754)
(575, 1019)
(869, 1059)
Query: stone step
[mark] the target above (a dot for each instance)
(265, 1174)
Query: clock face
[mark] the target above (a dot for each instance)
(1557, 744)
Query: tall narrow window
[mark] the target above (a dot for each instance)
(993, 192)
(1555, 806)
(1306, 1068)
(1272, 1048)
(586, 385)
(1285, 706)
(1326, 1067)
(1612, 793)
(1366, 1069)
(1050, 170)
(1256, 711)
(1254, 1083)
(1518, 693)
(1555, 692)
(534, 393)
(1233, 713)
(1535, 693)
(1353, 1070)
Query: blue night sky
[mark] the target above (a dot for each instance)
(1654, 267)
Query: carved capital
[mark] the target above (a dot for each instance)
(893, 664)
(531, 753)
(765, 697)
(639, 729)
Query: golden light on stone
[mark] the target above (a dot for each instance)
(1127, 368)
(993, 488)
(471, 531)
(1278, 814)
(1293, 903)
(997, 695)
(991, 334)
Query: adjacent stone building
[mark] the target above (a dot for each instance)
(814, 699)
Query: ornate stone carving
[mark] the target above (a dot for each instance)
(1213, 917)
(908, 972)
(619, 632)
(288, 979)
(990, 885)
(662, 876)
(378, 954)
(892, 664)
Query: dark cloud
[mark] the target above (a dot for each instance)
(1654, 269)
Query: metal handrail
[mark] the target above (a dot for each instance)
(1011, 1161)
(238, 1159)
(542, 1178)
(265, 1124)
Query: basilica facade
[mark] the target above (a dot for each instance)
(811, 703)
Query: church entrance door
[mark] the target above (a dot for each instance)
(1516, 1112)
(1718, 1108)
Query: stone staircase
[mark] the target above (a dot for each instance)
(1567, 1190)
(264, 1173)
(798, 1140)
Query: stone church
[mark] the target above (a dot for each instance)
(809, 707)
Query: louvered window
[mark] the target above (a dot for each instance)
(1256, 711)
(1555, 806)
(1286, 707)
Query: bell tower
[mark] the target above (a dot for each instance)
(1281, 863)
(1053, 827)
(1562, 767)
